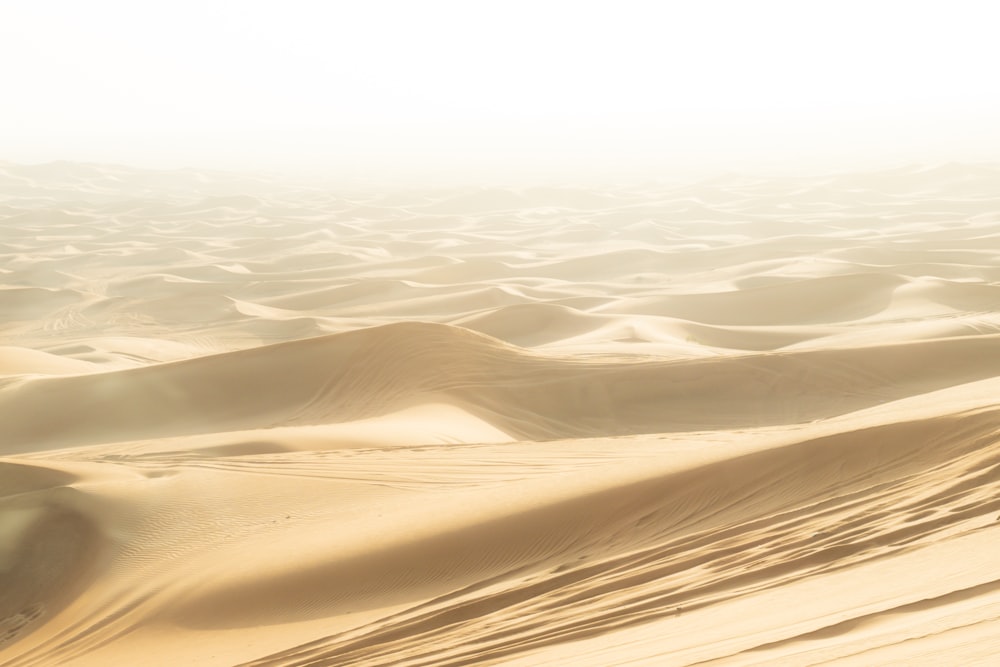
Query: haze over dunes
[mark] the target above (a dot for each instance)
(744, 421)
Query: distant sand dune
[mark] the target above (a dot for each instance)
(357, 375)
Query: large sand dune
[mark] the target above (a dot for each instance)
(739, 422)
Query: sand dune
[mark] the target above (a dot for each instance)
(736, 422)
(359, 375)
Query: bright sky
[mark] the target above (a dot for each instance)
(502, 87)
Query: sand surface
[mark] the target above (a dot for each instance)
(741, 422)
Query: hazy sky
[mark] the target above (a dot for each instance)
(515, 88)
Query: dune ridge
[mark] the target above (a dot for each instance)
(742, 421)
(362, 374)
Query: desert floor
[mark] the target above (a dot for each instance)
(740, 422)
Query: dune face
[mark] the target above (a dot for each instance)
(739, 422)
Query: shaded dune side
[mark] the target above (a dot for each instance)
(47, 547)
(642, 550)
(840, 298)
(371, 372)
(27, 303)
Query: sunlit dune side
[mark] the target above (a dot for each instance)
(737, 422)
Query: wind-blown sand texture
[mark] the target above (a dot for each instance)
(742, 422)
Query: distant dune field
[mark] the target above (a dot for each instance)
(245, 421)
